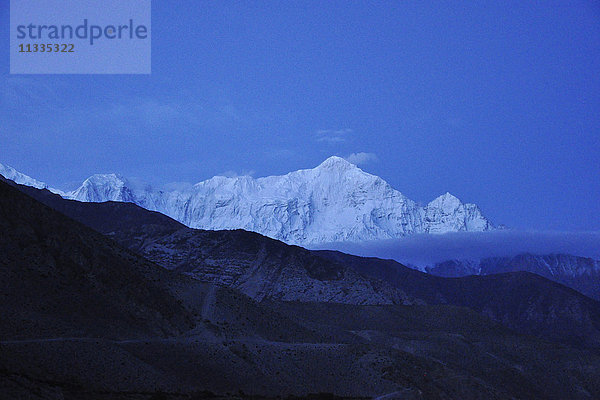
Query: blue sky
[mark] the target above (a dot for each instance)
(498, 104)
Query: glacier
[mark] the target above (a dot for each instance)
(334, 202)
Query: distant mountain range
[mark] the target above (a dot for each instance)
(334, 202)
(580, 273)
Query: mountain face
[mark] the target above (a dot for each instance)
(54, 269)
(267, 269)
(260, 267)
(84, 318)
(579, 273)
(333, 202)
(521, 300)
(22, 179)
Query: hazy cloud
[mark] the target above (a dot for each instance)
(279, 153)
(28, 91)
(423, 250)
(177, 186)
(361, 158)
(332, 135)
(151, 113)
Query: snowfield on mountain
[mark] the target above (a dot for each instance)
(334, 202)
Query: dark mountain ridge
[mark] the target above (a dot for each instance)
(523, 301)
(266, 268)
(42, 252)
(84, 318)
(579, 273)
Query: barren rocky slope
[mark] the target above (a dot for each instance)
(156, 333)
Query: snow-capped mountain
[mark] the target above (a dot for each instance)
(22, 179)
(336, 201)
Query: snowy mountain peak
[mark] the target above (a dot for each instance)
(333, 202)
(113, 180)
(447, 197)
(104, 187)
(336, 163)
(21, 179)
(106, 178)
(447, 213)
(446, 201)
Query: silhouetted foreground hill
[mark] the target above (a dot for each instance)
(83, 318)
(55, 268)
